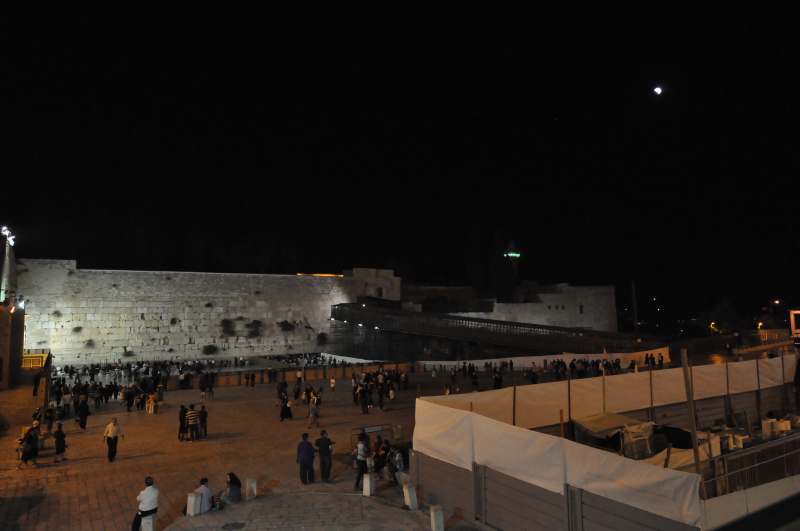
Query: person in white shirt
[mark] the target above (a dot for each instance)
(205, 496)
(111, 437)
(148, 503)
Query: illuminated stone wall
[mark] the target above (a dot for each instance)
(88, 316)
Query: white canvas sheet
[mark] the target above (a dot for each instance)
(496, 404)
(529, 456)
(460, 401)
(789, 366)
(461, 438)
(444, 433)
(628, 392)
(668, 387)
(742, 376)
(665, 492)
(709, 381)
(539, 405)
(769, 372)
(586, 397)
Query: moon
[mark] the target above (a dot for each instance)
(658, 91)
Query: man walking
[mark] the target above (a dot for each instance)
(325, 449)
(83, 412)
(148, 504)
(111, 436)
(305, 458)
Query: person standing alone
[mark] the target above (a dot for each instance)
(83, 412)
(111, 436)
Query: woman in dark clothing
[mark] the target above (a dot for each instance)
(182, 426)
(286, 408)
(61, 442)
(83, 412)
(30, 445)
(233, 490)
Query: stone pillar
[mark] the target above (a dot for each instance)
(251, 489)
(369, 483)
(193, 504)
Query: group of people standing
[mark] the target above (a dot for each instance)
(192, 423)
(381, 384)
(383, 455)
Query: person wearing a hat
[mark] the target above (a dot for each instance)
(148, 503)
(30, 445)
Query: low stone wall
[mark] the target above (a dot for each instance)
(317, 374)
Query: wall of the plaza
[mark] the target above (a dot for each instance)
(86, 316)
(592, 307)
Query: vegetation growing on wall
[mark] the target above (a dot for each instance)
(254, 328)
(322, 338)
(228, 328)
(210, 349)
(89, 343)
(77, 330)
(56, 314)
(209, 305)
(173, 321)
(286, 326)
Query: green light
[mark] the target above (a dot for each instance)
(512, 254)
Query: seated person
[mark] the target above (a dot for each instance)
(206, 498)
(233, 490)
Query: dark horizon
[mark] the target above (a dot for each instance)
(151, 154)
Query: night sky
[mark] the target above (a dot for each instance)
(190, 149)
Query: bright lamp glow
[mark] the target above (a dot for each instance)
(512, 254)
(658, 91)
(7, 233)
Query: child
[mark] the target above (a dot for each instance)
(61, 443)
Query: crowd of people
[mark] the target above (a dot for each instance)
(78, 392)
(457, 376)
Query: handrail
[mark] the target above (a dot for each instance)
(760, 463)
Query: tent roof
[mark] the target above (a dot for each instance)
(606, 424)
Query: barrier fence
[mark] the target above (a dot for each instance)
(550, 469)
(234, 378)
(546, 404)
(526, 362)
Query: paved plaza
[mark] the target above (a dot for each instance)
(245, 437)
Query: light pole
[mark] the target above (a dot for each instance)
(7, 276)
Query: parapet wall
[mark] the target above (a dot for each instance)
(591, 307)
(86, 316)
